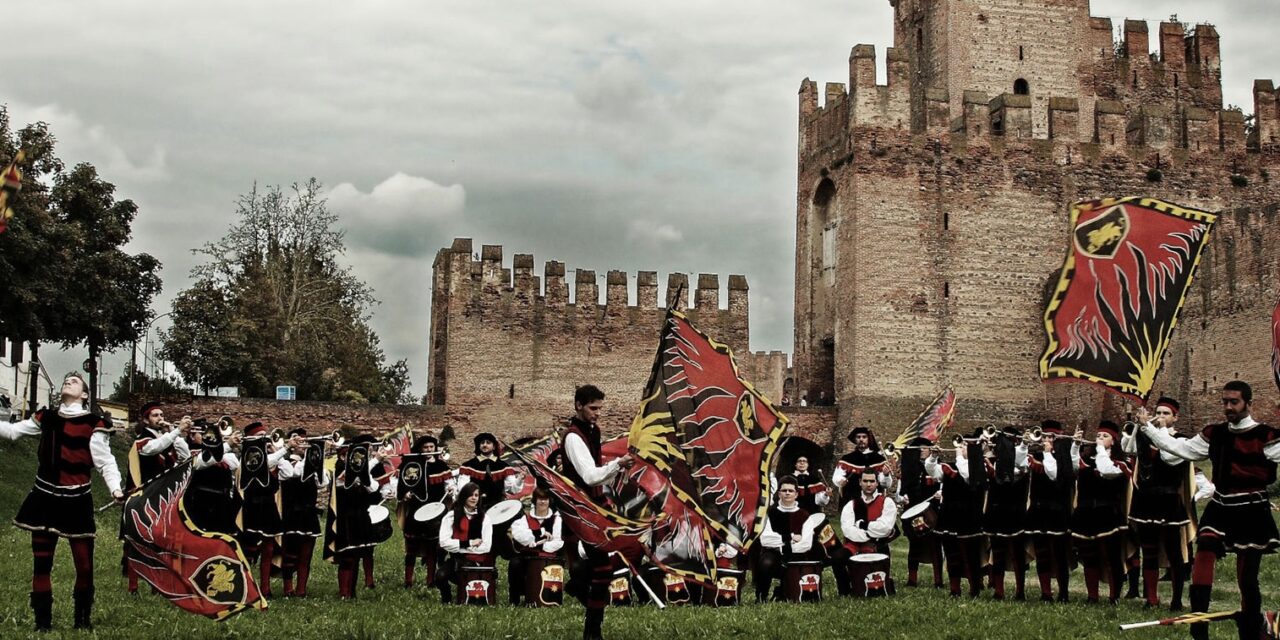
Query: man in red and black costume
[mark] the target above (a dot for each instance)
(964, 486)
(422, 478)
(869, 523)
(783, 539)
(865, 455)
(1005, 516)
(582, 465)
(494, 476)
(915, 488)
(1161, 510)
(259, 488)
(212, 500)
(72, 441)
(1098, 525)
(1238, 518)
(1048, 522)
(157, 447)
(302, 477)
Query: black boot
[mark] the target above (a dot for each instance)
(84, 608)
(1132, 575)
(591, 626)
(1200, 595)
(42, 606)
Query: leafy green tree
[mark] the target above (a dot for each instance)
(272, 305)
(140, 381)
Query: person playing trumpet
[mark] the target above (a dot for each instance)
(157, 447)
(422, 478)
(1048, 522)
(302, 477)
(960, 515)
(1161, 510)
(1005, 514)
(259, 484)
(1098, 523)
(73, 441)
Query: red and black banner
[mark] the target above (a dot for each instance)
(931, 422)
(1120, 291)
(202, 572)
(708, 432)
(10, 184)
(1275, 344)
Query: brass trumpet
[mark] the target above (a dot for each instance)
(335, 438)
(1129, 429)
(1035, 434)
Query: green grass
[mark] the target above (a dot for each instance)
(391, 611)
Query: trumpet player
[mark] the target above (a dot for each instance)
(302, 477)
(423, 478)
(157, 447)
(212, 500)
(1245, 455)
(1005, 515)
(1052, 472)
(1161, 509)
(259, 485)
(960, 516)
(73, 440)
(1098, 524)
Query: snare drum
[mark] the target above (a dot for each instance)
(920, 519)
(869, 575)
(503, 513)
(429, 511)
(380, 523)
(674, 588)
(728, 588)
(803, 580)
(620, 588)
(477, 585)
(544, 582)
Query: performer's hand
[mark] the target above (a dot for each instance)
(1143, 416)
(117, 495)
(626, 461)
(1079, 434)
(795, 537)
(184, 425)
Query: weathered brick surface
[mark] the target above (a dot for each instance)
(924, 252)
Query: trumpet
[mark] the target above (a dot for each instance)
(277, 437)
(1129, 429)
(335, 438)
(226, 426)
(1035, 434)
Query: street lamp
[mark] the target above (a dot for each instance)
(133, 355)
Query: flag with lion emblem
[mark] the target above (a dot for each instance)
(199, 571)
(1112, 313)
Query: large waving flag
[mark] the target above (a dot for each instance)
(1275, 343)
(932, 422)
(1121, 288)
(394, 445)
(708, 431)
(10, 184)
(199, 571)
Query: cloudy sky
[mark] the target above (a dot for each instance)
(658, 135)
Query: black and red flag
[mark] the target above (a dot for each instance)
(1275, 344)
(10, 184)
(199, 571)
(931, 422)
(708, 432)
(1127, 272)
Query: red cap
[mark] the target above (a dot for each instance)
(255, 429)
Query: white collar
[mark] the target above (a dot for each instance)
(550, 512)
(1245, 424)
(72, 410)
(792, 509)
(865, 499)
(470, 512)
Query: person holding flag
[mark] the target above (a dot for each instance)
(157, 447)
(73, 440)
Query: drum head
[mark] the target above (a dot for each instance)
(815, 521)
(378, 513)
(869, 557)
(916, 510)
(503, 512)
(429, 511)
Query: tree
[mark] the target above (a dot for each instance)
(272, 305)
(140, 381)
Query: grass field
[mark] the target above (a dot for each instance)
(391, 611)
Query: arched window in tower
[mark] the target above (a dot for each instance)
(824, 227)
(1021, 88)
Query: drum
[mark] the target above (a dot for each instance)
(674, 589)
(380, 519)
(544, 582)
(803, 581)
(920, 519)
(620, 588)
(429, 511)
(477, 585)
(503, 513)
(869, 575)
(728, 588)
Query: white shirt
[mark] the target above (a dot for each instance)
(1129, 444)
(161, 443)
(448, 543)
(99, 443)
(290, 469)
(773, 540)
(576, 451)
(1197, 448)
(858, 531)
(204, 460)
(551, 541)
(1105, 465)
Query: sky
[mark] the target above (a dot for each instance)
(636, 136)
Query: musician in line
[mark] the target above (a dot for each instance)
(302, 478)
(1161, 510)
(916, 487)
(259, 512)
(538, 534)
(211, 501)
(783, 539)
(353, 533)
(157, 447)
(423, 478)
(492, 474)
(1245, 454)
(1005, 514)
(1052, 480)
(466, 537)
(1098, 524)
(960, 514)
(73, 440)
(865, 455)
(869, 523)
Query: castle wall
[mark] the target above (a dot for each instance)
(948, 238)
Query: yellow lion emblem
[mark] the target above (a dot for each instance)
(1105, 235)
(221, 579)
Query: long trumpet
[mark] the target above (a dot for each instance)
(1129, 429)
(1035, 434)
(335, 438)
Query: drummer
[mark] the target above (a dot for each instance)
(784, 538)
(422, 479)
(869, 523)
(811, 489)
(467, 538)
(916, 488)
(537, 535)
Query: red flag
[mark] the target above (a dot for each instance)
(708, 431)
(199, 571)
(10, 184)
(932, 422)
(1121, 288)
(1275, 344)
(395, 444)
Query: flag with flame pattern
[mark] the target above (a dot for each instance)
(199, 571)
(1275, 344)
(10, 184)
(932, 422)
(1112, 313)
